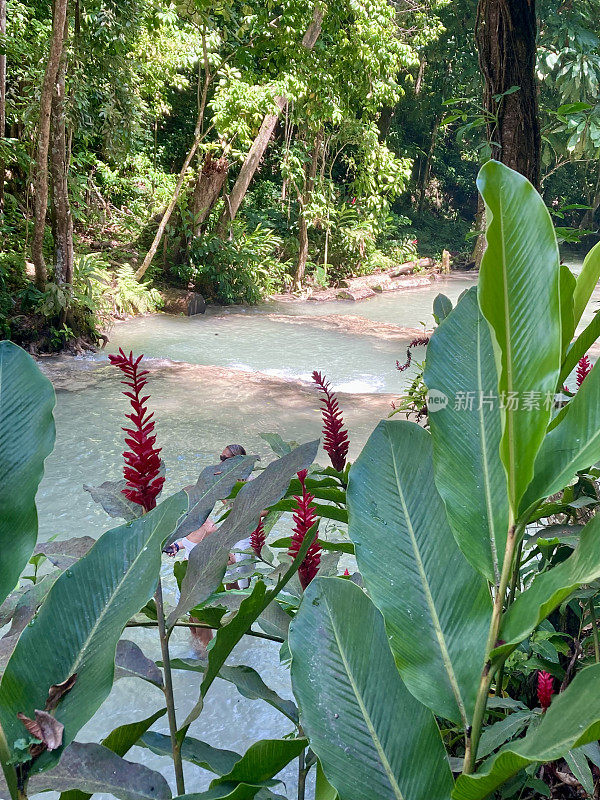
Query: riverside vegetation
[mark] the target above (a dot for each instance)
(461, 659)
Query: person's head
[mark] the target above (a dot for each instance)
(232, 450)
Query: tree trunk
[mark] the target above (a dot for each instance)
(2, 99)
(62, 219)
(424, 179)
(207, 188)
(59, 19)
(506, 41)
(259, 145)
(303, 200)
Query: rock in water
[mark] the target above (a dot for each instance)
(196, 304)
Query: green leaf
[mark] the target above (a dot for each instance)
(336, 547)
(226, 791)
(321, 509)
(323, 789)
(249, 611)
(110, 496)
(248, 683)
(277, 444)
(92, 768)
(442, 306)
(580, 768)
(111, 583)
(466, 435)
(26, 438)
(549, 589)
(572, 445)
(372, 737)
(567, 314)
(520, 272)
(66, 552)
(572, 720)
(501, 731)
(192, 750)
(215, 483)
(406, 553)
(586, 282)
(262, 761)
(120, 741)
(130, 662)
(208, 560)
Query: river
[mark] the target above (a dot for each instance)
(244, 372)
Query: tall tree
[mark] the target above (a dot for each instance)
(59, 19)
(506, 40)
(2, 96)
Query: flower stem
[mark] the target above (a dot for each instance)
(168, 690)
(472, 740)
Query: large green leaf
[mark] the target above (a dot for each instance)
(26, 438)
(79, 625)
(120, 741)
(208, 560)
(262, 761)
(215, 483)
(572, 445)
(549, 589)
(249, 611)
(519, 297)
(466, 435)
(567, 317)
(92, 768)
(572, 720)
(193, 750)
(372, 737)
(436, 607)
(586, 282)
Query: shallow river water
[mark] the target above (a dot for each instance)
(242, 389)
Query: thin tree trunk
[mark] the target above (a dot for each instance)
(303, 200)
(259, 145)
(427, 168)
(506, 41)
(2, 100)
(59, 19)
(61, 217)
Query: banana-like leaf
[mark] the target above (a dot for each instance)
(249, 611)
(77, 628)
(130, 662)
(26, 438)
(262, 761)
(208, 560)
(520, 272)
(248, 682)
(442, 306)
(110, 496)
(92, 768)
(572, 720)
(466, 435)
(549, 589)
(215, 483)
(193, 750)
(120, 741)
(567, 318)
(586, 282)
(578, 764)
(579, 348)
(572, 445)
(66, 552)
(372, 737)
(436, 607)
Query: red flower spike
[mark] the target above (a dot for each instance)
(415, 343)
(142, 464)
(346, 573)
(304, 517)
(335, 436)
(545, 689)
(258, 538)
(584, 367)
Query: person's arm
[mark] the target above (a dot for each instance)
(191, 540)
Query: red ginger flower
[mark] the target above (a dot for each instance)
(584, 367)
(142, 464)
(304, 518)
(335, 436)
(545, 689)
(258, 538)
